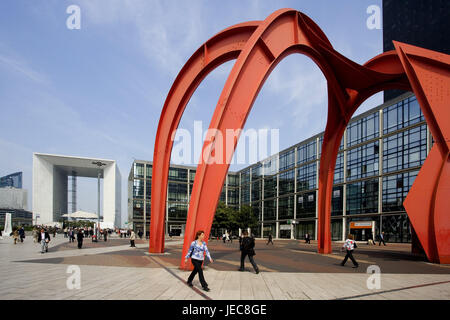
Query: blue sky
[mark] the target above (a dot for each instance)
(98, 91)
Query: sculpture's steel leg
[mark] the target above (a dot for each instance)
(224, 46)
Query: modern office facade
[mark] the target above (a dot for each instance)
(423, 23)
(380, 155)
(181, 180)
(12, 180)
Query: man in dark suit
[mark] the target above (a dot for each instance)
(43, 239)
(247, 249)
(80, 238)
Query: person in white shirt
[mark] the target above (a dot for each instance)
(349, 245)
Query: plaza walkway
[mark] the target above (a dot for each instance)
(289, 270)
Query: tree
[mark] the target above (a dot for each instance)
(246, 218)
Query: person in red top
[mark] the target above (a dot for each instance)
(349, 245)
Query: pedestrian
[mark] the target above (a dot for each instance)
(65, 232)
(54, 232)
(370, 240)
(231, 237)
(22, 234)
(80, 238)
(140, 234)
(34, 233)
(248, 249)
(227, 235)
(43, 239)
(105, 234)
(132, 238)
(382, 239)
(307, 238)
(197, 252)
(270, 239)
(15, 235)
(1, 234)
(349, 245)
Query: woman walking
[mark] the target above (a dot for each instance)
(349, 245)
(197, 252)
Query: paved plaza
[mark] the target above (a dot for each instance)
(290, 270)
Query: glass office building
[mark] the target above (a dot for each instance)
(180, 183)
(12, 180)
(380, 155)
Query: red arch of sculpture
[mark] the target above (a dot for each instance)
(259, 47)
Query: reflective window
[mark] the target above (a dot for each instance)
(362, 197)
(287, 160)
(286, 182)
(339, 168)
(306, 177)
(191, 175)
(233, 196)
(138, 170)
(396, 228)
(177, 211)
(149, 170)
(178, 174)
(395, 190)
(363, 129)
(363, 161)
(337, 201)
(257, 190)
(138, 189)
(257, 171)
(306, 152)
(286, 207)
(405, 149)
(233, 180)
(402, 114)
(245, 176)
(245, 194)
(270, 165)
(306, 205)
(270, 187)
(178, 192)
(270, 209)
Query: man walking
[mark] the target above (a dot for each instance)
(80, 238)
(382, 239)
(307, 238)
(22, 234)
(248, 249)
(270, 239)
(132, 238)
(43, 239)
(349, 245)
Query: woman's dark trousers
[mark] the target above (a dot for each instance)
(197, 269)
(243, 254)
(349, 255)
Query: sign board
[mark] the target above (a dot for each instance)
(361, 225)
(285, 227)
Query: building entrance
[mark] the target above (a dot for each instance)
(362, 230)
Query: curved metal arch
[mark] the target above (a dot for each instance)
(224, 46)
(282, 33)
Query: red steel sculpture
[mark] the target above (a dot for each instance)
(258, 47)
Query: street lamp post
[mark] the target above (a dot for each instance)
(99, 164)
